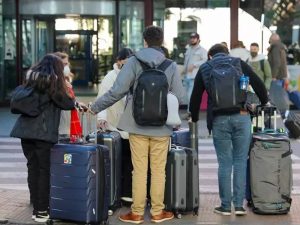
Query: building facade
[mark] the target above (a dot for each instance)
(92, 31)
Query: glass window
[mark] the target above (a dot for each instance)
(131, 24)
(26, 43)
(180, 18)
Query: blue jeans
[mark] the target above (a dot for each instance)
(189, 85)
(231, 137)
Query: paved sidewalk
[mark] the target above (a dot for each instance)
(15, 209)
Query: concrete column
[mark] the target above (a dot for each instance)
(234, 22)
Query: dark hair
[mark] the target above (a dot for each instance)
(154, 36)
(61, 55)
(218, 48)
(124, 53)
(254, 44)
(166, 52)
(47, 76)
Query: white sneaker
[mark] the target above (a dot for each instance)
(126, 199)
(41, 216)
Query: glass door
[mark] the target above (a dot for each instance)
(44, 37)
(79, 45)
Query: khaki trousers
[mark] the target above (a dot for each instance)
(157, 149)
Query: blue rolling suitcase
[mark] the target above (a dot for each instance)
(80, 183)
(186, 137)
(181, 137)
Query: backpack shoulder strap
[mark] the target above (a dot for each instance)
(262, 65)
(165, 64)
(143, 64)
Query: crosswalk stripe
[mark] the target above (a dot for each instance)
(11, 147)
(9, 139)
(205, 141)
(215, 189)
(19, 187)
(215, 166)
(13, 175)
(12, 164)
(214, 156)
(11, 155)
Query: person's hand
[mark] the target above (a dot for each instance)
(82, 107)
(102, 124)
(90, 110)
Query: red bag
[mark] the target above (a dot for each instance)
(75, 125)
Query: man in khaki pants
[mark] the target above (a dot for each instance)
(144, 141)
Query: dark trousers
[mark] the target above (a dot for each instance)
(126, 169)
(37, 154)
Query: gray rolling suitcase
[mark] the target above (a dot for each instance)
(175, 190)
(182, 181)
(270, 170)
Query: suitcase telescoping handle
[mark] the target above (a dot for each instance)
(266, 110)
(89, 124)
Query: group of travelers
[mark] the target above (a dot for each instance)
(230, 127)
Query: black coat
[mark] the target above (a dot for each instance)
(45, 126)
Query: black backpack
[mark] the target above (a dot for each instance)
(224, 81)
(150, 95)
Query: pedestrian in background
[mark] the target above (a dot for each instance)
(108, 119)
(39, 134)
(152, 141)
(239, 50)
(260, 65)
(277, 59)
(230, 126)
(194, 57)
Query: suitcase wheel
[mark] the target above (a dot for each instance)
(110, 212)
(178, 215)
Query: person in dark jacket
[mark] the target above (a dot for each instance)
(277, 59)
(39, 134)
(230, 128)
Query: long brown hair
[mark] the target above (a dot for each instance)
(47, 76)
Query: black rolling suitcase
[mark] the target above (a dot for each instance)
(112, 139)
(270, 169)
(292, 123)
(182, 181)
(80, 183)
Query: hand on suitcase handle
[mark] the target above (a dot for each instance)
(102, 125)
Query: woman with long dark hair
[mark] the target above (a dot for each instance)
(38, 134)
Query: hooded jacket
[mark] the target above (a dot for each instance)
(126, 79)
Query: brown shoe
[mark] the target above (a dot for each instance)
(131, 218)
(162, 217)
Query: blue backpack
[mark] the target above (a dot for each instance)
(224, 81)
